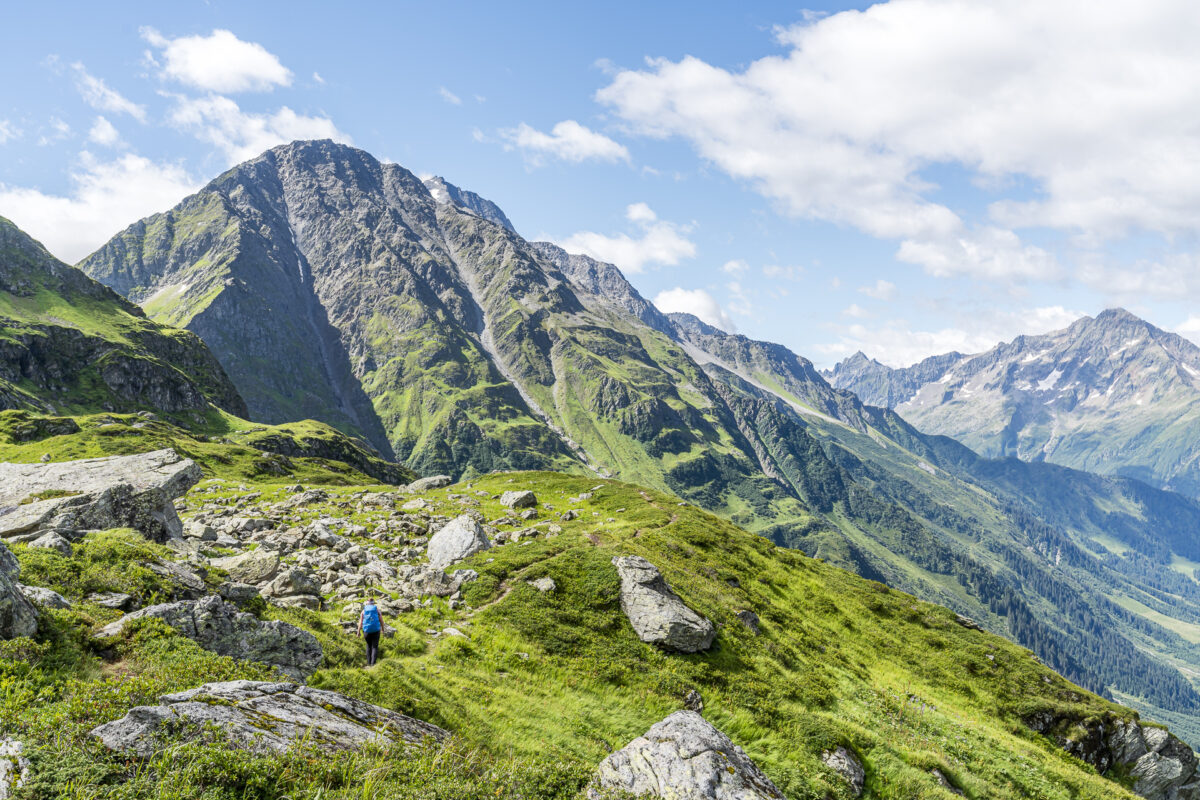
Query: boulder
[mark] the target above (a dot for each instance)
(52, 540)
(224, 629)
(44, 598)
(254, 567)
(263, 718)
(544, 584)
(18, 617)
(521, 499)
(14, 767)
(749, 619)
(432, 482)
(292, 582)
(846, 764)
(657, 614)
(97, 493)
(683, 757)
(238, 593)
(117, 601)
(309, 601)
(459, 538)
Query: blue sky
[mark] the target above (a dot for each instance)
(908, 178)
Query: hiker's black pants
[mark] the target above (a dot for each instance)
(372, 647)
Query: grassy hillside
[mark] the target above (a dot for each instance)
(545, 685)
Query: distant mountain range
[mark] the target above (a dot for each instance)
(1113, 395)
(330, 285)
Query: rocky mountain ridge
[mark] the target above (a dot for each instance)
(1113, 395)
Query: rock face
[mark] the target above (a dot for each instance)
(846, 764)
(657, 614)
(220, 627)
(97, 493)
(263, 718)
(684, 758)
(1162, 767)
(459, 538)
(18, 617)
(14, 767)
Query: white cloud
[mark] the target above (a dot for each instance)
(8, 131)
(1090, 108)
(735, 267)
(658, 243)
(242, 135)
(219, 62)
(696, 302)
(898, 343)
(104, 133)
(739, 299)
(105, 196)
(856, 311)
(59, 130)
(881, 290)
(567, 141)
(1190, 328)
(449, 96)
(100, 96)
(777, 271)
(317, 77)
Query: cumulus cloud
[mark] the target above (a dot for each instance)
(900, 343)
(100, 96)
(105, 196)
(657, 243)
(449, 96)
(8, 131)
(1091, 109)
(880, 290)
(104, 133)
(1190, 328)
(696, 302)
(567, 141)
(242, 135)
(735, 267)
(219, 62)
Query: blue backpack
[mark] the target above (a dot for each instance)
(371, 623)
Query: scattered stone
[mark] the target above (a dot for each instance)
(529, 514)
(846, 764)
(117, 601)
(459, 538)
(749, 619)
(944, 782)
(683, 757)
(52, 540)
(238, 593)
(263, 718)
(657, 614)
(521, 499)
(453, 633)
(18, 616)
(257, 566)
(967, 622)
(311, 602)
(14, 767)
(569, 515)
(546, 584)
(44, 598)
(693, 701)
(96, 494)
(225, 630)
(292, 582)
(416, 504)
(188, 583)
(432, 482)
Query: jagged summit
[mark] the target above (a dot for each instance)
(1111, 393)
(448, 193)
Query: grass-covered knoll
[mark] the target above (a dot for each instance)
(223, 445)
(71, 345)
(545, 685)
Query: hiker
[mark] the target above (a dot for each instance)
(370, 625)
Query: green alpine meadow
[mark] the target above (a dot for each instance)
(600, 401)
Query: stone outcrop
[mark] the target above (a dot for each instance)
(95, 494)
(684, 757)
(222, 628)
(657, 614)
(1161, 766)
(14, 767)
(459, 538)
(263, 718)
(18, 617)
(846, 764)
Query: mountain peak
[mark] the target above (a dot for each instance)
(447, 193)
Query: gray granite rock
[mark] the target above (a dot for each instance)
(846, 764)
(432, 482)
(97, 493)
(18, 616)
(44, 598)
(14, 767)
(657, 614)
(263, 718)
(224, 629)
(683, 757)
(519, 499)
(459, 538)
